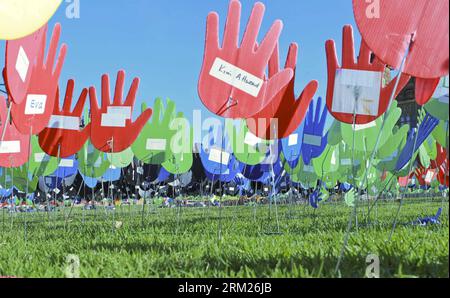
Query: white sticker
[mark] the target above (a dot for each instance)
(35, 104)
(41, 157)
(358, 127)
(231, 188)
(156, 144)
(357, 87)
(112, 167)
(56, 191)
(64, 122)
(236, 77)
(22, 64)
(308, 169)
(10, 147)
(293, 140)
(111, 120)
(122, 111)
(219, 156)
(66, 163)
(251, 139)
(346, 162)
(312, 140)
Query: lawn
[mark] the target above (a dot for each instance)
(184, 242)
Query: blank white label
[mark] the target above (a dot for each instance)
(219, 156)
(312, 140)
(236, 77)
(346, 162)
(56, 191)
(358, 87)
(64, 122)
(35, 104)
(251, 139)
(124, 111)
(308, 169)
(10, 147)
(66, 163)
(22, 64)
(112, 120)
(358, 127)
(293, 140)
(41, 157)
(156, 144)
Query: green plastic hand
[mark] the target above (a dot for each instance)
(122, 159)
(438, 105)
(153, 144)
(350, 198)
(389, 153)
(302, 173)
(21, 179)
(41, 164)
(335, 134)
(441, 133)
(247, 148)
(180, 158)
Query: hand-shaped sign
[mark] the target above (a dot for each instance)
(292, 146)
(216, 155)
(40, 164)
(35, 107)
(63, 136)
(21, 56)
(355, 93)
(232, 81)
(438, 105)
(14, 146)
(112, 129)
(153, 144)
(314, 136)
(284, 108)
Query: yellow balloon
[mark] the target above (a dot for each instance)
(20, 18)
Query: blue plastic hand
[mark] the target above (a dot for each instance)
(416, 139)
(314, 137)
(216, 155)
(315, 198)
(292, 146)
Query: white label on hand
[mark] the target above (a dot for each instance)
(358, 127)
(358, 87)
(112, 120)
(236, 77)
(22, 64)
(56, 191)
(312, 140)
(293, 140)
(35, 104)
(66, 163)
(156, 144)
(251, 139)
(10, 147)
(219, 156)
(122, 111)
(308, 169)
(64, 122)
(41, 157)
(346, 162)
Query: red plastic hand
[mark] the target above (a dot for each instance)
(36, 107)
(227, 100)
(363, 63)
(21, 54)
(441, 158)
(116, 134)
(285, 108)
(63, 133)
(14, 146)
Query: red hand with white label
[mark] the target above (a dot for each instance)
(363, 63)
(14, 146)
(285, 108)
(36, 107)
(232, 81)
(63, 135)
(21, 55)
(112, 129)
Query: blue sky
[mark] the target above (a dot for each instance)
(162, 41)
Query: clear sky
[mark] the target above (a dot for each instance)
(162, 41)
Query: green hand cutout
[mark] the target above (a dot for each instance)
(350, 198)
(20, 178)
(302, 173)
(180, 158)
(41, 164)
(122, 159)
(441, 133)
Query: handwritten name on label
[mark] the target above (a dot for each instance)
(236, 77)
(312, 140)
(35, 104)
(111, 120)
(22, 64)
(64, 122)
(358, 127)
(10, 147)
(293, 140)
(357, 87)
(219, 156)
(156, 144)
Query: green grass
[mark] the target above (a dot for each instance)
(184, 243)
